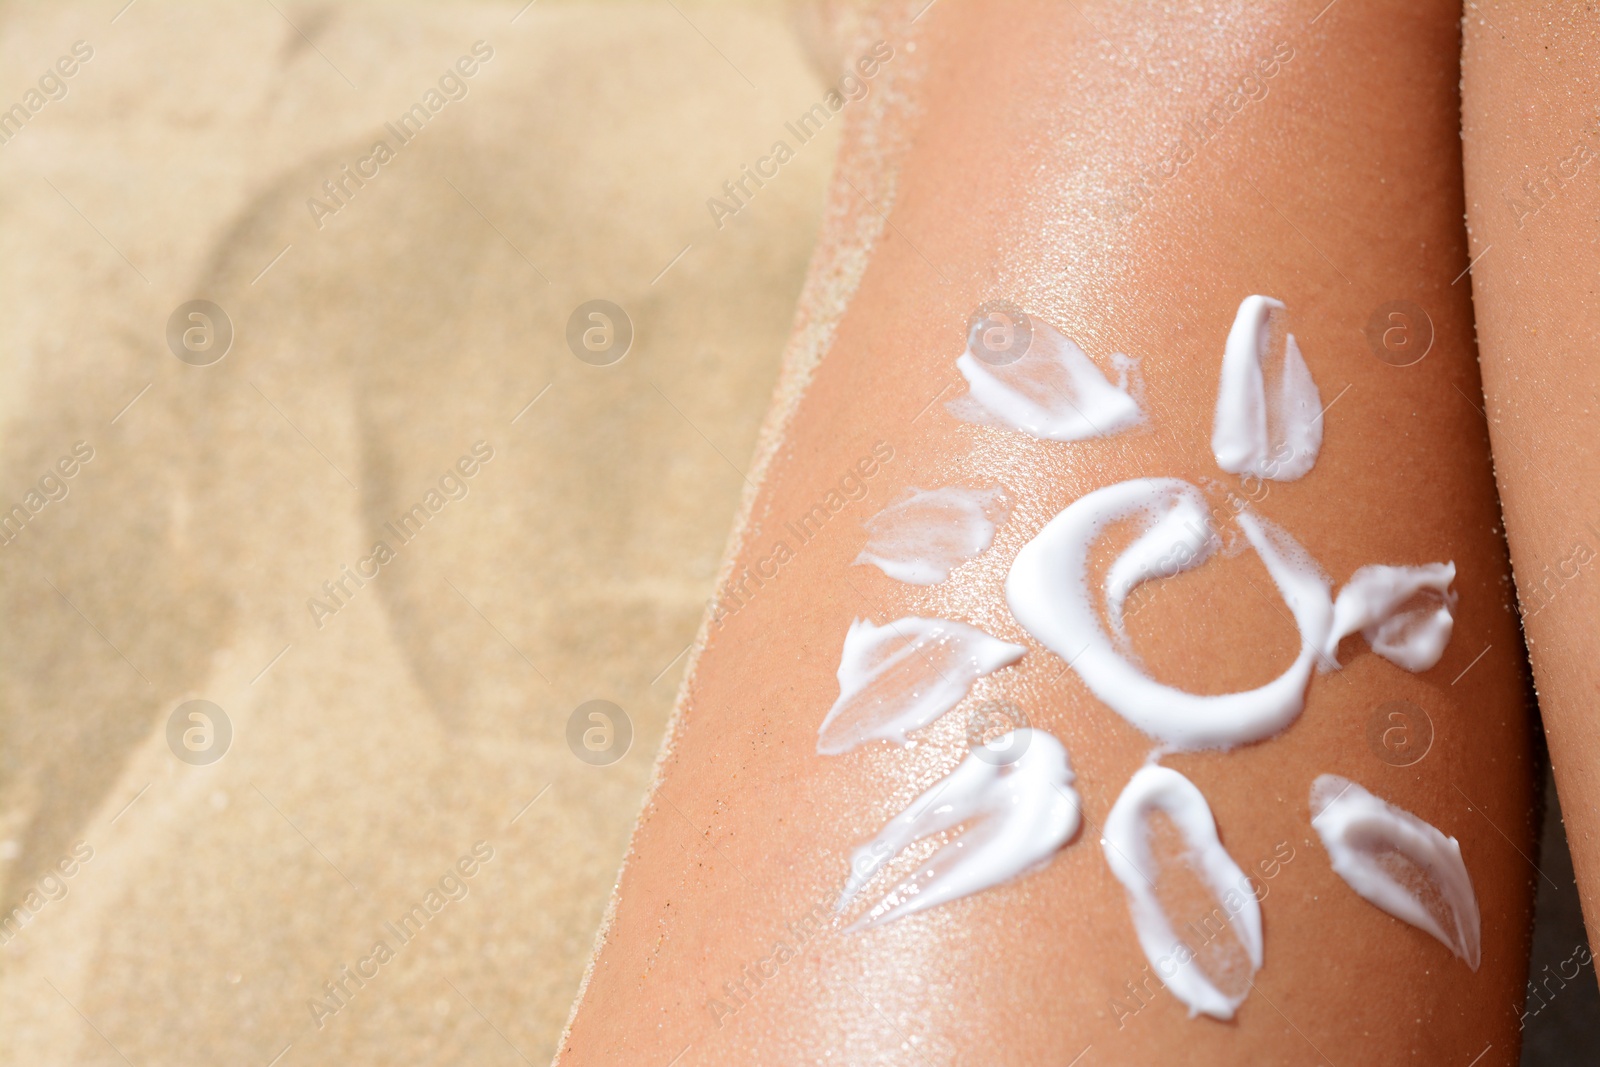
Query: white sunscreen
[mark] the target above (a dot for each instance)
(1048, 591)
(1019, 809)
(1398, 862)
(921, 537)
(1181, 959)
(1405, 613)
(1053, 392)
(901, 676)
(1176, 537)
(1269, 412)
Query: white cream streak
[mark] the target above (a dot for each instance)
(1018, 814)
(1126, 844)
(1048, 590)
(1375, 601)
(1398, 862)
(1404, 612)
(1269, 429)
(1177, 539)
(1053, 392)
(921, 537)
(900, 677)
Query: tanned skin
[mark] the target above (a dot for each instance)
(1333, 185)
(1532, 147)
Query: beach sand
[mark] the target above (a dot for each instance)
(383, 730)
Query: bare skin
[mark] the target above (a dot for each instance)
(1532, 148)
(1336, 190)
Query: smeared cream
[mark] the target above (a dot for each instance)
(1405, 613)
(1175, 539)
(1017, 814)
(900, 677)
(1053, 392)
(1398, 862)
(1048, 591)
(1176, 957)
(921, 537)
(1269, 412)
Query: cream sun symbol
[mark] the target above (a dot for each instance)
(1013, 800)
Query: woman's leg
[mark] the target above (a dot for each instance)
(1129, 176)
(1533, 193)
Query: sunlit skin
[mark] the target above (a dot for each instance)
(1532, 151)
(1334, 186)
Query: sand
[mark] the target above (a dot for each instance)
(384, 730)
